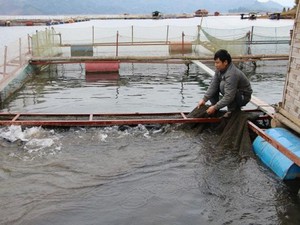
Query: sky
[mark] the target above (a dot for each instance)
(288, 3)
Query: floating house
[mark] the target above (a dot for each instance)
(156, 15)
(201, 13)
(275, 16)
(284, 157)
(289, 109)
(250, 16)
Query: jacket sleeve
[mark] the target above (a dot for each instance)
(230, 89)
(213, 88)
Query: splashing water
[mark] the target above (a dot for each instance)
(31, 142)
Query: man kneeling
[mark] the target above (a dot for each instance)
(228, 81)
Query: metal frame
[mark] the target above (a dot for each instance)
(110, 119)
(99, 119)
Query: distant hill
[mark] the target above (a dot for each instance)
(65, 7)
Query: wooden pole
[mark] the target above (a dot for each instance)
(20, 51)
(132, 34)
(167, 38)
(52, 33)
(182, 44)
(117, 44)
(47, 36)
(251, 37)
(52, 40)
(198, 33)
(37, 44)
(29, 41)
(93, 35)
(250, 40)
(5, 58)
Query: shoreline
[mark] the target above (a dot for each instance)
(38, 20)
(49, 20)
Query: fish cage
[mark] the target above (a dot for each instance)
(162, 40)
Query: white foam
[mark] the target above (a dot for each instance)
(35, 145)
(12, 133)
(35, 139)
(103, 137)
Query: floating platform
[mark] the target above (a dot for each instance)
(108, 119)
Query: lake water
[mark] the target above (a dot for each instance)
(142, 174)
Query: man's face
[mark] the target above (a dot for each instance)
(221, 66)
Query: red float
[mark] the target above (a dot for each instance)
(180, 47)
(102, 67)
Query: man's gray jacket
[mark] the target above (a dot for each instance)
(228, 83)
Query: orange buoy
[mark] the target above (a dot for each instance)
(180, 48)
(102, 67)
(29, 23)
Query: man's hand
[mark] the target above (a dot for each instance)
(200, 103)
(211, 110)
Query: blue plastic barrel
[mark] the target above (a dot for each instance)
(273, 158)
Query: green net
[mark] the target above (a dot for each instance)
(46, 43)
(157, 40)
(236, 46)
(232, 132)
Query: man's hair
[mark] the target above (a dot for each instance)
(223, 55)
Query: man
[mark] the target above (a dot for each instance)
(228, 81)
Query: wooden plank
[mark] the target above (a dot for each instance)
(263, 106)
(287, 122)
(183, 115)
(16, 117)
(204, 67)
